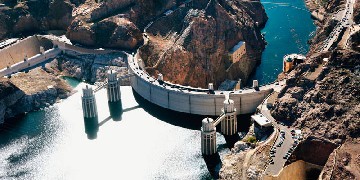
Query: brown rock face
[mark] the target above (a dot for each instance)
(357, 12)
(344, 162)
(32, 16)
(114, 23)
(324, 101)
(190, 45)
(115, 31)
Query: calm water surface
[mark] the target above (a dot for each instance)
(148, 142)
(287, 31)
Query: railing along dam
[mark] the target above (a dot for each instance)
(194, 100)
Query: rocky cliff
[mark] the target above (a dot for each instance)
(26, 92)
(90, 68)
(204, 31)
(23, 17)
(114, 23)
(190, 45)
(322, 99)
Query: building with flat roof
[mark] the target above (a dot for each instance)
(291, 60)
(237, 51)
(261, 121)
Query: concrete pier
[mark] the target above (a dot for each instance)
(229, 123)
(208, 137)
(113, 87)
(90, 113)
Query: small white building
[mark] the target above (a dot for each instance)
(261, 121)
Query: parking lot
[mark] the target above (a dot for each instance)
(281, 151)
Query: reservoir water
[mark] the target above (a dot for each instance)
(287, 31)
(148, 142)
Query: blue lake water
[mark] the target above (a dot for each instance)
(148, 142)
(287, 31)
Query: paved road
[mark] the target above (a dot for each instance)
(346, 20)
(279, 161)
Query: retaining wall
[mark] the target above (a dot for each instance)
(34, 60)
(15, 53)
(296, 171)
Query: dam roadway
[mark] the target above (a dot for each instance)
(195, 100)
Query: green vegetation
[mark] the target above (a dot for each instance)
(250, 139)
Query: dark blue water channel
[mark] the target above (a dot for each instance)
(287, 31)
(146, 142)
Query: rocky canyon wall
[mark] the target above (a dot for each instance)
(190, 45)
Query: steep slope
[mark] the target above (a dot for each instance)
(114, 23)
(190, 45)
(33, 16)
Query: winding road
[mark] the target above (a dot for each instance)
(345, 18)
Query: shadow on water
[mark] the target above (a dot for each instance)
(231, 140)
(191, 121)
(91, 127)
(116, 110)
(185, 120)
(213, 163)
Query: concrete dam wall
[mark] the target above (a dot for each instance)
(193, 100)
(15, 53)
(34, 60)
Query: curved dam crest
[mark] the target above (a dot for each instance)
(195, 100)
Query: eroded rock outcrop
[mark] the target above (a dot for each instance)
(190, 45)
(323, 100)
(26, 92)
(344, 162)
(90, 68)
(32, 16)
(113, 23)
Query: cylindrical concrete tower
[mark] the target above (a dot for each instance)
(113, 87)
(89, 103)
(90, 113)
(208, 137)
(229, 123)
